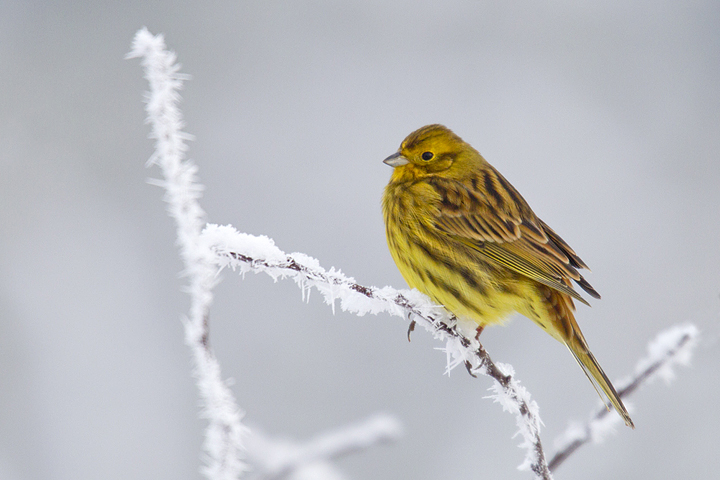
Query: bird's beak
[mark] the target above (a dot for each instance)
(396, 160)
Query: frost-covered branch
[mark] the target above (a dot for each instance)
(249, 253)
(223, 437)
(205, 251)
(667, 350)
(278, 459)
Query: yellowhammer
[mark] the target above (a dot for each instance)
(461, 234)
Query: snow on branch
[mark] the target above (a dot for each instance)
(206, 251)
(670, 348)
(249, 253)
(223, 436)
(280, 459)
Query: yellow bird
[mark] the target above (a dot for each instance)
(461, 234)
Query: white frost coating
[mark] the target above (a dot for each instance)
(574, 431)
(670, 348)
(599, 427)
(512, 399)
(206, 253)
(665, 342)
(223, 239)
(259, 254)
(607, 425)
(317, 471)
(284, 458)
(247, 253)
(223, 436)
(455, 354)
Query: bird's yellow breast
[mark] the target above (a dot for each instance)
(449, 272)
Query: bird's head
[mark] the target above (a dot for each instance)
(428, 150)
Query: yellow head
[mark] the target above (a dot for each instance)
(432, 149)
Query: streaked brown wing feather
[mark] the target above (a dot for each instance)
(574, 259)
(492, 217)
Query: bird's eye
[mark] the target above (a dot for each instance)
(427, 156)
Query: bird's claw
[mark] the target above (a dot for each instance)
(411, 328)
(469, 367)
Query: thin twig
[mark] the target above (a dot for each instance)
(277, 459)
(673, 346)
(233, 250)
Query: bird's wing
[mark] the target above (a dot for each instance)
(489, 215)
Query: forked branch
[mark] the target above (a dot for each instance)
(215, 247)
(248, 253)
(670, 348)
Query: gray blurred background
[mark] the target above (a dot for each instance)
(604, 114)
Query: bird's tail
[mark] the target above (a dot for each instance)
(578, 347)
(572, 337)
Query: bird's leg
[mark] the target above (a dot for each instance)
(478, 331)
